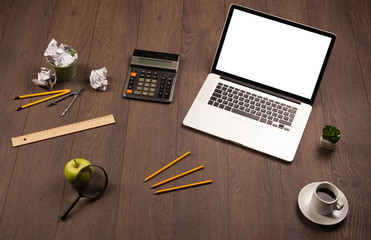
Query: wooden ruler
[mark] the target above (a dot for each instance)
(63, 130)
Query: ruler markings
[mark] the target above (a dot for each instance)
(63, 130)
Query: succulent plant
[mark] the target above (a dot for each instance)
(331, 133)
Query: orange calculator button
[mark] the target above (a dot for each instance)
(129, 91)
(133, 74)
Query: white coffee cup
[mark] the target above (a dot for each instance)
(325, 198)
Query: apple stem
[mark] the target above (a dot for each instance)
(77, 165)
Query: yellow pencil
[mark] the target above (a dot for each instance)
(41, 94)
(167, 166)
(60, 93)
(177, 176)
(184, 186)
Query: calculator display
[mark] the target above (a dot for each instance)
(154, 62)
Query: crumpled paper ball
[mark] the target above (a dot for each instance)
(98, 79)
(46, 77)
(59, 56)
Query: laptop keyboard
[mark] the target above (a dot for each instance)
(253, 106)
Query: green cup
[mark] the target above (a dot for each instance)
(66, 73)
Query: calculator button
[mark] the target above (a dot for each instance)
(150, 84)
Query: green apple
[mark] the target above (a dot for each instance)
(73, 167)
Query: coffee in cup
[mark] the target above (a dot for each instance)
(325, 198)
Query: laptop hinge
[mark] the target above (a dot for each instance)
(261, 89)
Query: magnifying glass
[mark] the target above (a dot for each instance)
(91, 182)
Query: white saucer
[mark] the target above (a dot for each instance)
(335, 217)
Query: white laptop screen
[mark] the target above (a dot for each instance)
(273, 53)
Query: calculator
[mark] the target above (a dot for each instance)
(152, 76)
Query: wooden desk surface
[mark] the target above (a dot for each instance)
(253, 196)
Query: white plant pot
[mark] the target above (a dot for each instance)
(327, 144)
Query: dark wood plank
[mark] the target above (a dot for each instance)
(19, 60)
(257, 5)
(38, 176)
(151, 135)
(296, 175)
(360, 19)
(290, 9)
(5, 9)
(359, 12)
(114, 38)
(200, 213)
(351, 158)
(254, 186)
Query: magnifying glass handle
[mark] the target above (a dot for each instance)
(70, 208)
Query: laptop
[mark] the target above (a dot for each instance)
(263, 82)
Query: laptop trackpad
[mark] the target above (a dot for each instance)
(241, 132)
